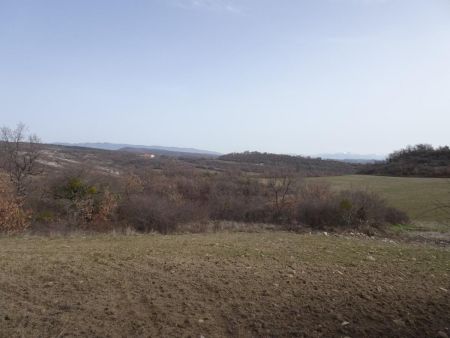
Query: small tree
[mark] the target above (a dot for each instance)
(281, 184)
(20, 152)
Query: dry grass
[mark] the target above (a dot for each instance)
(223, 284)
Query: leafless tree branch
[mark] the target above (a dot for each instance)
(20, 152)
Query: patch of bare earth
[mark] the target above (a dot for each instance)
(225, 284)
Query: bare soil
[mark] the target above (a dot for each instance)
(225, 284)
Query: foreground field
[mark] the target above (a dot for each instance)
(416, 196)
(225, 284)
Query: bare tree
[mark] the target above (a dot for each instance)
(281, 183)
(20, 152)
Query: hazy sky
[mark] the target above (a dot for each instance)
(297, 76)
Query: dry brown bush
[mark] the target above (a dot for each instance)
(321, 207)
(107, 206)
(13, 217)
(151, 212)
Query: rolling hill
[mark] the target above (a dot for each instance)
(421, 160)
(303, 165)
(161, 150)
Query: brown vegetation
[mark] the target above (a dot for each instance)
(165, 200)
(13, 217)
(77, 191)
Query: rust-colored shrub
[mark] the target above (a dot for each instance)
(13, 217)
(107, 206)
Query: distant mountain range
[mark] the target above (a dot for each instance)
(141, 148)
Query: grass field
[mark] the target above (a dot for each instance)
(416, 196)
(226, 284)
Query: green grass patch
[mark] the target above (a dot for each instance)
(415, 196)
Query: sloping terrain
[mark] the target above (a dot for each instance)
(59, 157)
(302, 165)
(170, 151)
(56, 157)
(225, 284)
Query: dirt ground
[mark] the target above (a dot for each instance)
(226, 284)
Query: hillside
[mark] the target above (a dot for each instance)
(304, 165)
(418, 161)
(118, 161)
(59, 157)
(169, 151)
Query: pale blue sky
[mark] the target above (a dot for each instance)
(297, 76)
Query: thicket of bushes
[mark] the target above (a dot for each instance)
(166, 200)
(321, 207)
(173, 193)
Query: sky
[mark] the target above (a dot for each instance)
(284, 76)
